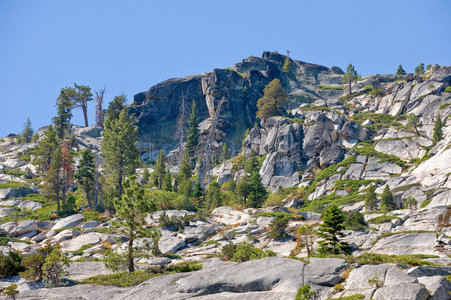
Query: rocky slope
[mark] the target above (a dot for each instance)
(333, 148)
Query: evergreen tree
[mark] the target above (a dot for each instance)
(131, 210)
(330, 231)
(438, 132)
(27, 132)
(213, 197)
(273, 100)
(370, 199)
(85, 175)
(287, 64)
(119, 150)
(54, 267)
(68, 170)
(419, 70)
(400, 71)
(160, 170)
(62, 119)
(411, 203)
(387, 203)
(45, 149)
(192, 138)
(414, 121)
(115, 107)
(243, 189)
(146, 175)
(167, 181)
(79, 95)
(185, 167)
(307, 233)
(257, 192)
(350, 76)
(54, 179)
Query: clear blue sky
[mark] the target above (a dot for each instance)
(129, 45)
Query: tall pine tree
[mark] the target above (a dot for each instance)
(62, 119)
(438, 132)
(387, 203)
(160, 170)
(119, 150)
(85, 175)
(192, 138)
(350, 76)
(27, 132)
(331, 230)
(45, 149)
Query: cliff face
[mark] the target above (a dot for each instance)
(158, 108)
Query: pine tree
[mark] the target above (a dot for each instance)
(306, 233)
(213, 197)
(68, 170)
(185, 167)
(387, 203)
(79, 95)
(400, 71)
(330, 231)
(27, 132)
(371, 199)
(411, 203)
(243, 189)
(54, 267)
(167, 181)
(350, 76)
(273, 100)
(438, 132)
(419, 70)
(115, 107)
(160, 170)
(287, 64)
(62, 119)
(131, 210)
(119, 150)
(45, 149)
(53, 179)
(192, 138)
(414, 121)
(257, 192)
(85, 175)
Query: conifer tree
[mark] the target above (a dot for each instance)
(160, 170)
(85, 175)
(45, 149)
(68, 170)
(387, 203)
(411, 202)
(119, 150)
(192, 138)
(54, 267)
(185, 167)
(79, 95)
(213, 195)
(62, 119)
(350, 76)
(370, 198)
(330, 231)
(54, 179)
(27, 132)
(257, 192)
(243, 189)
(131, 210)
(400, 71)
(438, 132)
(167, 181)
(273, 100)
(115, 107)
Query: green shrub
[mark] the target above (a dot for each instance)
(382, 219)
(11, 290)
(425, 203)
(328, 87)
(355, 221)
(277, 228)
(304, 293)
(10, 265)
(11, 184)
(448, 89)
(365, 148)
(243, 252)
(34, 263)
(12, 172)
(54, 268)
(175, 223)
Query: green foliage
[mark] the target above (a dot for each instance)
(257, 192)
(444, 105)
(78, 96)
(167, 181)
(411, 203)
(277, 228)
(330, 231)
(243, 252)
(85, 175)
(115, 107)
(304, 293)
(64, 106)
(34, 263)
(119, 150)
(185, 166)
(353, 297)
(160, 170)
(320, 203)
(27, 132)
(17, 173)
(155, 235)
(400, 71)
(124, 279)
(10, 265)
(213, 196)
(438, 132)
(355, 221)
(116, 262)
(277, 214)
(45, 149)
(368, 258)
(286, 65)
(54, 268)
(328, 87)
(425, 203)
(175, 223)
(419, 70)
(273, 100)
(365, 148)
(448, 90)
(382, 219)
(11, 290)
(387, 203)
(370, 198)
(350, 76)
(192, 136)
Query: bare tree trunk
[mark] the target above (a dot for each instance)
(131, 265)
(84, 107)
(350, 90)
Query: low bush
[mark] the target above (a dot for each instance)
(12, 172)
(382, 219)
(277, 228)
(10, 265)
(304, 293)
(244, 252)
(355, 221)
(175, 223)
(329, 87)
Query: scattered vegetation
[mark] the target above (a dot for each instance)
(366, 148)
(329, 87)
(10, 264)
(382, 219)
(243, 252)
(304, 293)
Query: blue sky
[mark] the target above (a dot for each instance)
(128, 46)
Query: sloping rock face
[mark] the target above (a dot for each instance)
(158, 108)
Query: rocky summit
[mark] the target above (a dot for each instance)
(253, 225)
